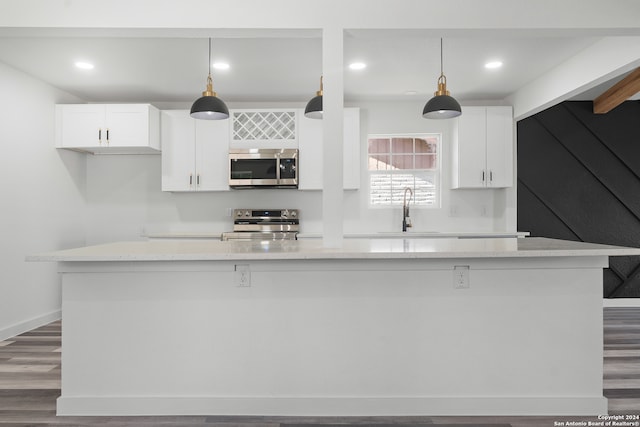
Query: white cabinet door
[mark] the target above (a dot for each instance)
(470, 149)
(80, 126)
(128, 125)
(108, 128)
(178, 150)
(194, 153)
(500, 147)
(310, 146)
(483, 148)
(212, 155)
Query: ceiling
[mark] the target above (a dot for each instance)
(164, 70)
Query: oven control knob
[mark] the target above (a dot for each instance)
(247, 213)
(284, 213)
(239, 213)
(294, 214)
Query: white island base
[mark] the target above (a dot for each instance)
(318, 334)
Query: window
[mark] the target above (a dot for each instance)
(397, 162)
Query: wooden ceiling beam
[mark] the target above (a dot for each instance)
(618, 93)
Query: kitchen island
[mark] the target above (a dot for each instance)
(377, 327)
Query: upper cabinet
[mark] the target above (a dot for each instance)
(483, 148)
(264, 128)
(310, 146)
(195, 153)
(108, 128)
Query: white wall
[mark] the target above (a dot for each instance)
(125, 198)
(43, 202)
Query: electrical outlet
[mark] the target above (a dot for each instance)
(461, 276)
(242, 275)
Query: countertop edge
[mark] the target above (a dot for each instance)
(352, 249)
(366, 235)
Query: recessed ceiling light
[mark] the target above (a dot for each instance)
(221, 65)
(357, 66)
(84, 65)
(492, 65)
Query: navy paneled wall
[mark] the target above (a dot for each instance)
(579, 179)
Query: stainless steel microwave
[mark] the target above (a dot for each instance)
(263, 167)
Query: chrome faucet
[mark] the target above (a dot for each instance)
(406, 221)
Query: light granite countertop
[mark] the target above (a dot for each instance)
(214, 250)
(422, 235)
(364, 235)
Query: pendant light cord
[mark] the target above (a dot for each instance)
(209, 91)
(209, 56)
(441, 60)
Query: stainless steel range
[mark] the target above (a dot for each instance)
(264, 224)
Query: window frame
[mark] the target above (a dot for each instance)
(436, 173)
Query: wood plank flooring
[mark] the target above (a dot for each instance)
(30, 384)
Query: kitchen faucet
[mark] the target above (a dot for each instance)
(406, 221)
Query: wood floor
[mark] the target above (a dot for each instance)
(30, 384)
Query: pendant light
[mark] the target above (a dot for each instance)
(313, 110)
(442, 105)
(209, 106)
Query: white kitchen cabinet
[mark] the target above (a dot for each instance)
(108, 128)
(310, 146)
(264, 128)
(195, 153)
(483, 148)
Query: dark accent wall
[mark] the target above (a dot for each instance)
(579, 179)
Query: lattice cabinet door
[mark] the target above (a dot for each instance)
(268, 128)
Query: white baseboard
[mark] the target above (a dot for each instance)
(27, 325)
(327, 406)
(621, 302)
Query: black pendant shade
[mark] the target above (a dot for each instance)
(209, 106)
(442, 105)
(313, 110)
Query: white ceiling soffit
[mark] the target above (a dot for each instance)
(600, 64)
(598, 90)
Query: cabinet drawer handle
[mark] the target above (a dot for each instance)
(190, 180)
(107, 136)
(198, 179)
(483, 176)
(100, 136)
(491, 176)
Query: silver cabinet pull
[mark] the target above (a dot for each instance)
(99, 136)
(190, 179)
(107, 136)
